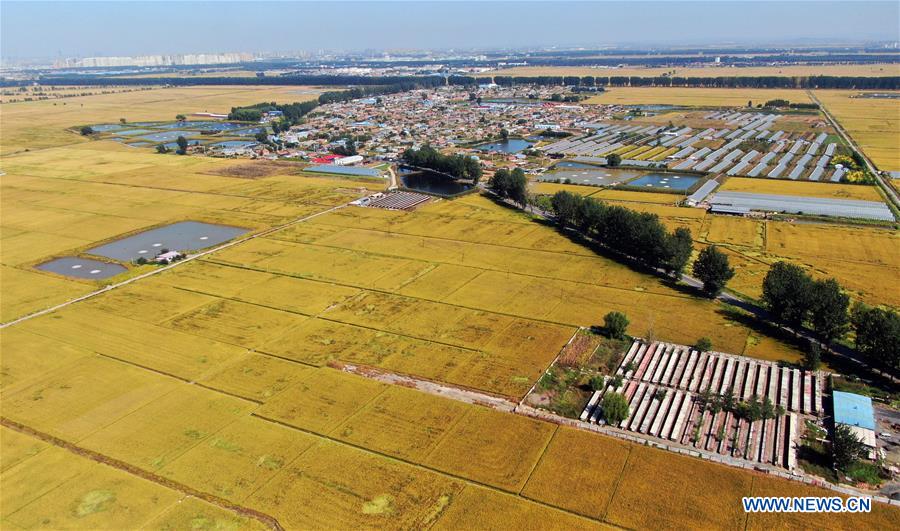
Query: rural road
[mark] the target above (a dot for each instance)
(759, 313)
(888, 189)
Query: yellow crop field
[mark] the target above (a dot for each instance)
(862, 70)
(17, 447)
(610, 194)
(346, 488)
(803, 188)
(483, 509)
(194, 513)
(402, 422)
(75, 402)
(578, 472)
(700, 97)
(881, 517)
(873, 123)
(732, 230)
(492, 448)
(236, 323)
(540, 187)
(656, 491)
(167, 427)
(240, 458)
(40, 124)
(57, 489)
(321, 400)
(874, 246)
(256, 377)
(27, 356)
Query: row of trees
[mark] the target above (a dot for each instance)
(822, 82)
(379, 90)
(793, 297)
(640, 235)
(511, 185)
(311, 80)
(291, 112)
(459, 166)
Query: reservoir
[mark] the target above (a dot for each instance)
(72, 266)
(184, 236)
(432, 183)
(512, 145)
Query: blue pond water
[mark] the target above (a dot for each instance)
(72, 266)
(132, 132)
(102, 128)
(182, 236)
(164, 136)
(665, 180)
(249, 132)
(513, 145)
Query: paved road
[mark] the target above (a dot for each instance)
(888, 189)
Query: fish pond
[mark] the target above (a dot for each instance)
(512, 145)
(433, 183)
(73, 266)
(183, 236)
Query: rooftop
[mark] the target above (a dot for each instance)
(853, 410)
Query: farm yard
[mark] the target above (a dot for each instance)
(227, 368)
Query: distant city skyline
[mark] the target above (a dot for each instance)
(53, 30)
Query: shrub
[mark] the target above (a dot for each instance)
(704, 344)
(87, 130)
(597, 382)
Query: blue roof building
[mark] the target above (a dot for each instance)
(853, 410)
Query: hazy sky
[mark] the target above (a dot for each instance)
(51, 29)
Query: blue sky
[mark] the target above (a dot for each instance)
(52, 29)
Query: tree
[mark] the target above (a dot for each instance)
(812, 357)
(122, 120)
(182, 145)
(846, 447)
(262, 137)
(87, 130)
(615, 324)
(704, 344)
(679, 247)
(712, 268)
(504, 134)
(615, 408)
(613, 160)
(180, 117)
(877, 336)
(828, 309)
(565, 207)
(161, 148)
(596, 382)
(786, 293)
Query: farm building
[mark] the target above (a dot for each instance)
(856, 412)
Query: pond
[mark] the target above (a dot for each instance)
(579, 173)
(671, 181)
(163, 136)
(183, 236)
(512, 145)
(432, 183)
(234, 144)
(72, 266)
(249, 132)
(133, 132)
(102, 128)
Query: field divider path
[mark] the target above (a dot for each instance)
(122, 466)
(189, 258)
(477, 398)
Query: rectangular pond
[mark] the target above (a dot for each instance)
(72, 266)
(184, 236)
(578, 173)
(433, 183)
(132, 132)
(102, 128)
(164, 136)
(670, 181)
(512, 145)
(234, 144)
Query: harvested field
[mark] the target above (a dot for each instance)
(258, 169)
(872, 70)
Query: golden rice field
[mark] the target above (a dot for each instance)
(862, 192)
(873, 70)
(873, 123)
(202, 397)
(699, 97)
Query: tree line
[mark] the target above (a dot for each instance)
(794, 298)
(459, 166)
(640, 235)
(512, 185)
(313, 80)
(291, 112)
(820, 82)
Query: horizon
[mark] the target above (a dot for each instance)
(91, 29)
